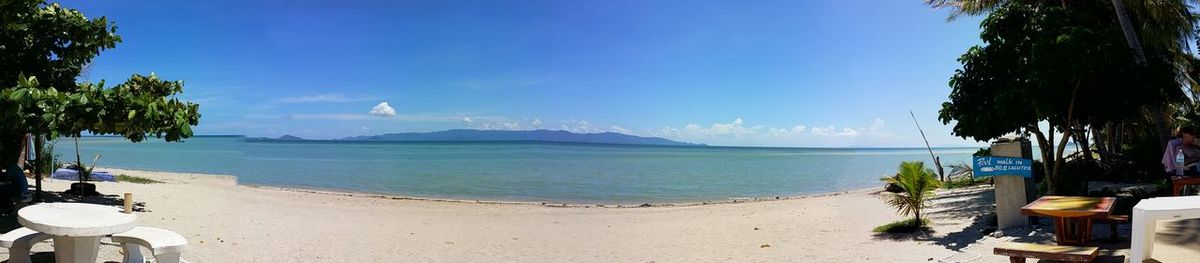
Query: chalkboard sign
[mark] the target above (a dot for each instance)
(1002, 166)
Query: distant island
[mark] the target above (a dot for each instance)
(465, 135)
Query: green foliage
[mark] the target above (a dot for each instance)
(986, 151)
(903, 226)
(47, 160)
(916, 183)
(45, 47)
(1035, 60)
(1067, 64)
(136, 179)
(961, 176)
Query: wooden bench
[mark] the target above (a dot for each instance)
(166, 246)
(1018, 252)
(1177, 184)
(1113, 221)
(19, 241)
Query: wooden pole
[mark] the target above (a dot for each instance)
(36, 145)
(128, 203)
(936, 162)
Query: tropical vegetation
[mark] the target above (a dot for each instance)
(44, 51)
(1103, 75)
(915, 184)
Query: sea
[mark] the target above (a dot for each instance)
(517, 171)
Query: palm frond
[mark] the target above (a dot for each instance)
(965, 7)
(917, 183)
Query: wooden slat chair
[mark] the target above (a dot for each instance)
(1177, 184)
(166, 246)
(1018, 252)
(1113, 221)
(19, 242)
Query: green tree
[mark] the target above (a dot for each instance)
(1165, 25)
(43, 49)
(916, 183)
(1064, 66)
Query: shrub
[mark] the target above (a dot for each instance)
(917, 184)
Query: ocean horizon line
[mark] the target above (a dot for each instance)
(268, 140)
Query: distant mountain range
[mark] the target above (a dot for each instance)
(463, 135)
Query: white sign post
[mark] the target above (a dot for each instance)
(1010, 190)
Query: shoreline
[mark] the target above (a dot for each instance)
(556, 204)
(223, 221)
(350, 193)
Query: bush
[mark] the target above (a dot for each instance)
(916, 183)
(136, 179)
(903, 226)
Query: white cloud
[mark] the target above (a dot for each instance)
(736, 128)
(383, 110)
(619, 129)
(798, 129)
(501, 126)
(331, 97)
(467, 120)
(369, 117)
(319, 98)
(332, 116)
(580, 126)
(738, 132)
(536, 124)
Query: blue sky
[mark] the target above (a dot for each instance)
(771, 73)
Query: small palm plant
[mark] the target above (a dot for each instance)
(916, 184)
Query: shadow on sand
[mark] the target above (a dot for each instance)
(8, 215)
(977, 206)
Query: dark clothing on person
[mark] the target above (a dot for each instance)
(18, 185)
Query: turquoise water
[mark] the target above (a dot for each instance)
(519, 171)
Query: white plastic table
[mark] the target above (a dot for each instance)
(76, 228)
(1145, 219)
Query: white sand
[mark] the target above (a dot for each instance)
(226, 222)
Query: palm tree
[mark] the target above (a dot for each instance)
(916, 183)
(1166, 25)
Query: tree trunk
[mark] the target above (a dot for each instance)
(1062, 142)
(1099, 140)
(1058, 162)
(1157, 110)
(1131, 38)
(1046, 148)
(917, 216)
(1081, 138)
(1158, 116)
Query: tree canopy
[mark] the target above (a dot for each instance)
(43, 49)
(1062, 63)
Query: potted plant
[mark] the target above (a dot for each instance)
(83, 187)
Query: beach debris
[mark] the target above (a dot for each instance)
(645, 205)
(449, 243)
(764, 246)
(755, 228)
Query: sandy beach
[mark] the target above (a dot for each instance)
(227, 222)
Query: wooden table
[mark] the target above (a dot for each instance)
(76, 228)
(1145, 221)
(1073, 215)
